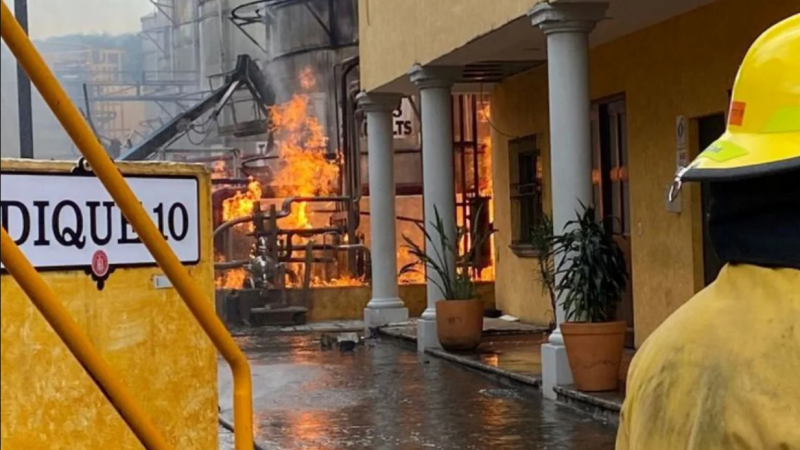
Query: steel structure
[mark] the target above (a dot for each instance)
(247, 76)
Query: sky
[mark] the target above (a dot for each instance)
(47, 18)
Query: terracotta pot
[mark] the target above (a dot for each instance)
(459, 324)
(594, 351)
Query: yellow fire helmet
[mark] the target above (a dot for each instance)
(763, 130)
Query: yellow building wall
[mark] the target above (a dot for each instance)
(518, 108)
(394, 35)
(148, 336)
(683, 66)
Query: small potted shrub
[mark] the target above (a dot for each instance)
(459, 316)
(591, 277)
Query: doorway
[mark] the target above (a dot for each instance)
(612, 190)
(709, 128)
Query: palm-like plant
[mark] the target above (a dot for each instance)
(461, 287)
(591, 269)
(541, 240)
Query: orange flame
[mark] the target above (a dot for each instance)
(302, 145)
(338, 282)
(485, 187)
(242, 204)
(305, 171)
(231, 279)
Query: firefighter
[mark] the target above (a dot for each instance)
(723, 371)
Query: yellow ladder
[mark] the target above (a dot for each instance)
(57, 315)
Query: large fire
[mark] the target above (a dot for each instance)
(307, 171)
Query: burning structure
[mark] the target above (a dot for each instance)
(286, 145)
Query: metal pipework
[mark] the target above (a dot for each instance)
(287, 203)
(307, 232)
(228, 265)
(237, 221)
(284, 212)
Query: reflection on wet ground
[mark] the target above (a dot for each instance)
(384, 396)
(519, 354)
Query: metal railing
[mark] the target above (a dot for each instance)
(44, 298)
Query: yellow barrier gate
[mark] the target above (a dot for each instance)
(44, 298)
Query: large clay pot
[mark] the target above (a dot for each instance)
(594, 351)
(459, 324)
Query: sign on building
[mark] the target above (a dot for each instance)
(405, 126)
(68, 221)
(404, 120)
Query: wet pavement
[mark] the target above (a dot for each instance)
(384, 396)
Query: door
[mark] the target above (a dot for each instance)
(709, 128)
(612, 190)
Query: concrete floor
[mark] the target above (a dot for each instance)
(385, 396)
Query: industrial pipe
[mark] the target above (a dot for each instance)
(284, 212)
(228, 265)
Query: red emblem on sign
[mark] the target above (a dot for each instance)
(100, 264)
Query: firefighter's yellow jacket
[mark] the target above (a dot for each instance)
(723, 372)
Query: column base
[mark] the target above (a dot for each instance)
(378, 317)
(555, 369)
(426, 335)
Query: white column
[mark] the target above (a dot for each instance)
(385, 306)
(567, 27)
(435, 84)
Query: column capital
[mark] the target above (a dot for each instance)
(565, 17)
(378, 101)
(425, 77)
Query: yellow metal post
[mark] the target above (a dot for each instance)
(200, 306)
(79, 344)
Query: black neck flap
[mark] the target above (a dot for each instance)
(757, 221)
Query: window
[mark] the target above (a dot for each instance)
(610, 165)
(526, 191)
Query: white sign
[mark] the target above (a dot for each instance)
(63, 221)
(404, 120)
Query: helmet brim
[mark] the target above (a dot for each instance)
(736, 156)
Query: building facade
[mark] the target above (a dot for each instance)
(592, 102)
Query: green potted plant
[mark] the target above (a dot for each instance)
(459, 316)
(541, 242)
(591, 276)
